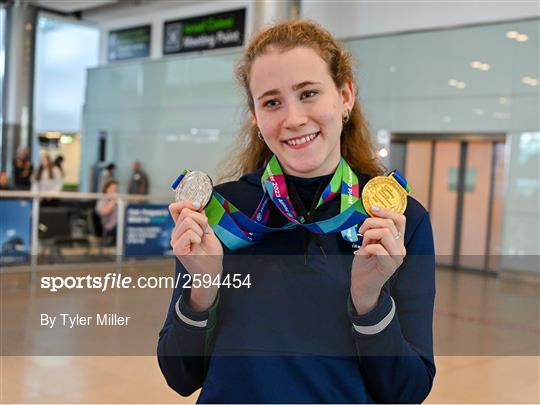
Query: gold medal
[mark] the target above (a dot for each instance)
(386, 192)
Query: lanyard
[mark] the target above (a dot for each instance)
(235, 229)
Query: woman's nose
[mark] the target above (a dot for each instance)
(295, 116)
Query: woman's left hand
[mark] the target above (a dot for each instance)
(381, 253)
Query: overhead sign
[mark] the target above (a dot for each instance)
(129, 43)
(211, 31)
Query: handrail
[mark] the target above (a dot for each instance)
(75, 195)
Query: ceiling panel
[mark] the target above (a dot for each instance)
(70, 6)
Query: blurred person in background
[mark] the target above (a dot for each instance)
(107, 209)
(48, 179)
(106, 175)
(138, 183)
(58, 162)
(22, 170)
(4, 181)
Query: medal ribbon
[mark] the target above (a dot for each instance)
(235, 229)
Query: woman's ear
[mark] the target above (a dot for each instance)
(348, 96)
(253, 117)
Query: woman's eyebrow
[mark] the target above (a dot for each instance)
(299, 86)
(295, 87)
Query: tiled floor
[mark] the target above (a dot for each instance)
(474, 315)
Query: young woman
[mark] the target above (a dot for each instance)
(327, 319)
(107, 209)
(48, 177)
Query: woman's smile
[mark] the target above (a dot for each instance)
(303, 141)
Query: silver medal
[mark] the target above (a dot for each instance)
(196, 187)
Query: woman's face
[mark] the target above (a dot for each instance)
(45, 161)
(299, 110)
(113, 188)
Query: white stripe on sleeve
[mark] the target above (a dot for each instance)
(185, 319)
(374, 329)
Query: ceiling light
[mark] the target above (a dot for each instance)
(522, 38)
(456, 83)
(476, 64)
(480, 66)
(383, 153)
(504, 100)
(66, 139)
(512, 34)
(531, 81)
(478, 111)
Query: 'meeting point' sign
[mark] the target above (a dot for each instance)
(212, 31)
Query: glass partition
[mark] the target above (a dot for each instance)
(462, 79)
(170, 114)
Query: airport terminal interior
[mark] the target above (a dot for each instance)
(136, 91)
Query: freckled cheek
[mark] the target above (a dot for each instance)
(325, 114)
(270, 128)
(328, 120)
(271, 132)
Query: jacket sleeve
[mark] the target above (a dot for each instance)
(394, 341)
(186, 339)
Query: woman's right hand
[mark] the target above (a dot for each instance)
(198, 248)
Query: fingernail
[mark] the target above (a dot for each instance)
(196, 205)
(375, 208)
(356, 251)
(207, 229)
(359, 234)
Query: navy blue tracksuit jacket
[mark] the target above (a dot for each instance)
(294, 336)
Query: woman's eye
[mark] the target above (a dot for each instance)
(271, 103)
(308, 94)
